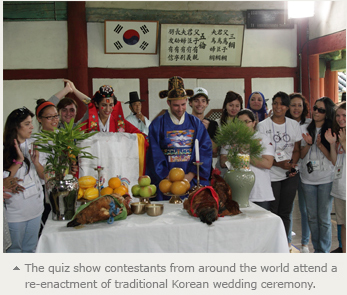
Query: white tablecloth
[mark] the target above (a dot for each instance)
(253, 231)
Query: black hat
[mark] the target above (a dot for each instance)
(134, 97)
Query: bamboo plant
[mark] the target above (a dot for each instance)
(61, 146)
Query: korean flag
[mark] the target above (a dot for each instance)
(131, 37)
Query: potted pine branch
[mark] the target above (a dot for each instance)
(242, 146)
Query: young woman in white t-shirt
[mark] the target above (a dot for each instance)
(317, 174)
(285, 136)
(337, 140)
(298, 111)
(261, 193)
(23, 209)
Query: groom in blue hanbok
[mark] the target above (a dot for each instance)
(172, 137)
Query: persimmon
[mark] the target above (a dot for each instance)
(114, 182)
(106, 191)
(122, 190)
(176, 174)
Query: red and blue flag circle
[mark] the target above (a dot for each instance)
(131, 37)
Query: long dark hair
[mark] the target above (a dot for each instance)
(230, 96)
(336, 127)
(304, 104)
(11, 133)
(328, 122)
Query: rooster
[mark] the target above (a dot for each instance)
(210, 202)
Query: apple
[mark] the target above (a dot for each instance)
(135, 190)
(145, 191)
(154, 189)
(144, 180)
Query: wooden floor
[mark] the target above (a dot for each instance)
(296, 240)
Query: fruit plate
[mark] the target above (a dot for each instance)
(175, 199)
(145, 200)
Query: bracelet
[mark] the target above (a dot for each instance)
(17, 163)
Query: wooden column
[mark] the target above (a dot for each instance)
(331, 84)
(78, 49)
(321, 87)
(314, 79)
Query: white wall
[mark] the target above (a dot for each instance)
(35, 45)
(330, 17)
(19, 93)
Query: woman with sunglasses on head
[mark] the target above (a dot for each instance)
(337, 139)
(261, 193)
(298, 111)
(231, 106)
(317, 174)
(24, 209)
(285, 136)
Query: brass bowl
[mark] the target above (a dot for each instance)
(154, 209)
(138, 207)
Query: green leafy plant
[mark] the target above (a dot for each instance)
(61, 147)
(240, 139)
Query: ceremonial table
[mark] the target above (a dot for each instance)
(255, 230)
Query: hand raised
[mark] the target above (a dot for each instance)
(329, 136)
(307, 137)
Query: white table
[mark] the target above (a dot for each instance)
(253, 231)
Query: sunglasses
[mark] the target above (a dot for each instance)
(22, 111)
(321, 111)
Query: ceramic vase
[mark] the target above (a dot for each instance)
(241, 181)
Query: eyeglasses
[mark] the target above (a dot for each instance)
(320, 110)
(50, 118)
(247, 121)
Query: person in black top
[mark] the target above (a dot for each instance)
(199, 102)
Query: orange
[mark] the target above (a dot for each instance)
(114, 182)
(165, 185)
(187, 183)
(122, 190)
(91, 193)
(176, 174)
(106, 191)
(179, 188)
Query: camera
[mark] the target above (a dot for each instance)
(293, 170)
(309, 167)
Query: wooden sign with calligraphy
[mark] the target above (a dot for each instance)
(201, 45)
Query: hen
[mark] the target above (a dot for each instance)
(210, 202)
(226, 204)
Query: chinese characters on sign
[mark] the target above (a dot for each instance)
(128, 37)
(201, 45)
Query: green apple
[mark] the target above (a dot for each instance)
(154, 189)
(144, 180)
(135, 190)
(145, 191)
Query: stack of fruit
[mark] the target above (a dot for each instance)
(115, 186)
(87, 188)
(88, 191)
(176, 184)
(144, 188)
